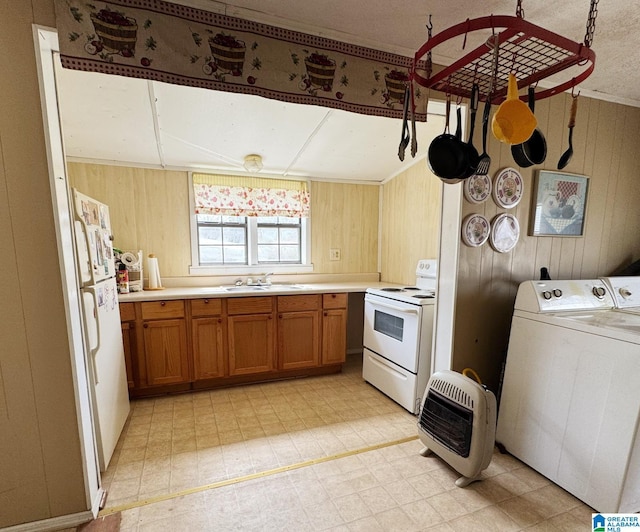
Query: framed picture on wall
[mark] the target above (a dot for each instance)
(560, 202)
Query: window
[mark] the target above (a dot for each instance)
(245, 224)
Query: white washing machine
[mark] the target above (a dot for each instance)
(570, 401)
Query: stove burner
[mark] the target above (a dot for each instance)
(424, 296)
(411, 288)
(392, 289)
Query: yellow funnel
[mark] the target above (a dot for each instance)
(513, 122)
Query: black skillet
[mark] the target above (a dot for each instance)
(534, 149)
(448, 155)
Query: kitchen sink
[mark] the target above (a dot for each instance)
(261, 288)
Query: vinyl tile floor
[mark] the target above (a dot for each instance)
(319, 453)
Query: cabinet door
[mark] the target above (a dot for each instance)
(165, 351)
(128, 343)
(208, 347)
(251, 343)
(334, 336)
(298, 339)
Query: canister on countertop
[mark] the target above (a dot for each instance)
(122, 278)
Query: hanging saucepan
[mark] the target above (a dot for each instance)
(447, 153)
(534, 149)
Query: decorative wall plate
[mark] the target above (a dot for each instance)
(477, 188)
(505, 232)
(508, 188)
(475, 230)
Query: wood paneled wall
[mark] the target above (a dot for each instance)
(410, 222)
(344, 216)
(606, 140)
(150, 211)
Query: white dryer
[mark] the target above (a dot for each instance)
(570, 402)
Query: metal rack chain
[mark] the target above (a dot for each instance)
(519, 10)
(591, 23)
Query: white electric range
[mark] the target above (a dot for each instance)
(398, 332)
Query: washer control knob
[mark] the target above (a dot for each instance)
(557, 292)
(546, 294)
(625, 292)
(599, 292)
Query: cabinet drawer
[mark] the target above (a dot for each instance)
(249, 305)
(206, 307)
(334, 300)
(295, 303)
(127, 312)
(158, 310)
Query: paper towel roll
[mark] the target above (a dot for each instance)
(129, 259)
(153, 273)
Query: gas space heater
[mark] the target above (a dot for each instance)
(458, 423)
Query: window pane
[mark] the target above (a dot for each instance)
(267, 220)
(289, 253)
(235, 255)
(210, 235)
(234, 235)
(268, 253)
(289, 236)
(210, 254)
(234, 219)
(288, 220)
(208, 218)
(267, 235)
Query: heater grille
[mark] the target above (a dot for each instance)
(458, 423)
(448, 422)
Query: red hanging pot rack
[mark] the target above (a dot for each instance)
(532, 53)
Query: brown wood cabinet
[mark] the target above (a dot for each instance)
(127, 322)
(298, 331)
(208, 329)
(180, 345)
(251, 331)
(166, 355)
(334, 328)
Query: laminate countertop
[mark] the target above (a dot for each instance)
(276, 289)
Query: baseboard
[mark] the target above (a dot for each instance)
(55, 523)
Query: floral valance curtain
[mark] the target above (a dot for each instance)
(162, 41)
(250, 196)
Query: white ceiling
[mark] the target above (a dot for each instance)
(130, 121)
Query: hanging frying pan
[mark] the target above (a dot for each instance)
(448, 155)
(534, 149)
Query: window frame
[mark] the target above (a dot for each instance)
(196, 269)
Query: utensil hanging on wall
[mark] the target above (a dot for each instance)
(534, 149)
(566, 156)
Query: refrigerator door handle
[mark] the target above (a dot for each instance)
(93, 351)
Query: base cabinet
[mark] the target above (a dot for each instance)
(334, 328)
(208, 329)
(165, 352)
(194, 344)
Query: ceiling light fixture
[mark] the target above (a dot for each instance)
(253, 163)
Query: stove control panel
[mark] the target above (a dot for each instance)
(556, 296)
(625, 290)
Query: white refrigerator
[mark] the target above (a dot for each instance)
(104, 350)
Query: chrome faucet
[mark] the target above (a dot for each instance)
(238, 282)
(265, 279)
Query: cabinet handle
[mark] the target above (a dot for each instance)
(280, 316)
(206, 301)
(146, 325)
(162, 303)
(333, 296)
(326, 313)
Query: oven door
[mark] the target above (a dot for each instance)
(392, 330)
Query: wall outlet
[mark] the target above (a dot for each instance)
(334, 254)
